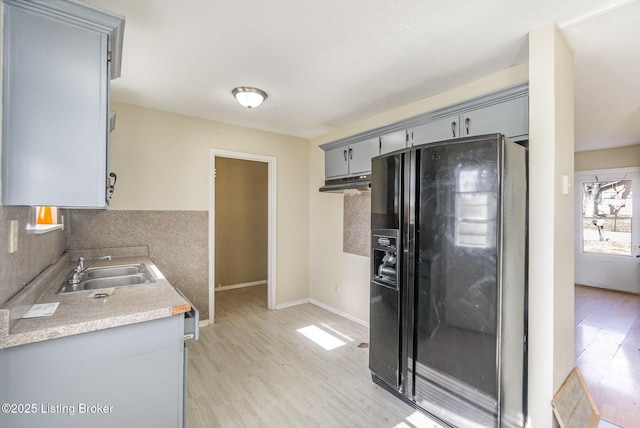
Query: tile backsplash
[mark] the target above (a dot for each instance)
(176, 241)
(357, 223)
(35, 252)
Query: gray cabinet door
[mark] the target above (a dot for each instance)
(437, 130)
(136, 371)
(360, 155)
(393, 141)
(510, 118)
(55, 116)
(336, 162)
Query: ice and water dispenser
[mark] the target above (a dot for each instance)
(384, 257)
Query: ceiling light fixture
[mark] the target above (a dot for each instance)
(249, 97)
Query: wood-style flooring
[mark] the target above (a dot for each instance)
(607, 351)
(253, 368)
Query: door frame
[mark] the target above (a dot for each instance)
(271, 222)
(605, 258)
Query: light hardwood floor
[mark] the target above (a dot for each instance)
(607, 351)
(252, 368)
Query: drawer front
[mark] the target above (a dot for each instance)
(191, 320)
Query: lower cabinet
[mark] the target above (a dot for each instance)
(119, 377)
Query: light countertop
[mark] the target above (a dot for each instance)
(79, 312)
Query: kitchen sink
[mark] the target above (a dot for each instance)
(109, 271)
(107, 277)
(116, 281)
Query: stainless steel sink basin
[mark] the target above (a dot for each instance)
(116, 281)
(109, 271)
(106, 277)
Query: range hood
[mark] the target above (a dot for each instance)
(339, 185)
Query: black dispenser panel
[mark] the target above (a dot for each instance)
(384, 260)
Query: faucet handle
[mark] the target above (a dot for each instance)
(80, 263)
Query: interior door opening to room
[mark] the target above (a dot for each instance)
(241, 223)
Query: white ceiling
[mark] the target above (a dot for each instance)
(327, 64)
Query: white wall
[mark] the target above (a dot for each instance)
(551, 252)
(162, 162)
(341, 280)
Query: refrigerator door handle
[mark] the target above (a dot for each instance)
(453, 128)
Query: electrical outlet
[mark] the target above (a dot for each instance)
(13, 236)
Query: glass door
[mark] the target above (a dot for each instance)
(607, 244)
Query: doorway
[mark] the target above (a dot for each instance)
(241, 224)
(607, 236)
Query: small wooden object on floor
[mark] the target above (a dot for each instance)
(573, 406)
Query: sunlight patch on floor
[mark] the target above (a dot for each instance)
(321, 337)
(418, 420)
(333, 330)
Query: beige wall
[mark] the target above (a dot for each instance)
(241, 221)
(339, 279)
(162, 162)
(619, 157)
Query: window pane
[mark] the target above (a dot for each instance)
(607, 213)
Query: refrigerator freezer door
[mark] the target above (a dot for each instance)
(384, 355)
(385, 306)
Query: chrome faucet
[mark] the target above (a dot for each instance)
(75, 278)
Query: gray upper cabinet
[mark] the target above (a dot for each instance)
(353, 159)
(360, 155)
(439, 129)
(336, 162)
(510, 118)
(505, 111)
(393, 141)
(55, 106)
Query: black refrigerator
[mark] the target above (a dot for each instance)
(448, 279)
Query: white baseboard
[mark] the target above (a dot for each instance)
(293, 303)
(244, 284)
(339, 312)
(285, 305)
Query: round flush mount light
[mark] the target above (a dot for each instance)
(249, 97)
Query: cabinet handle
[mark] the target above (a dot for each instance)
(111, 186)
(350, 153)
(453, 128)
(345, 155)
(467, 121)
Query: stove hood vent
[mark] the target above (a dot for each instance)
(339, 185)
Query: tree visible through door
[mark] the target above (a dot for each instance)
(607, 217)
(607, 238)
